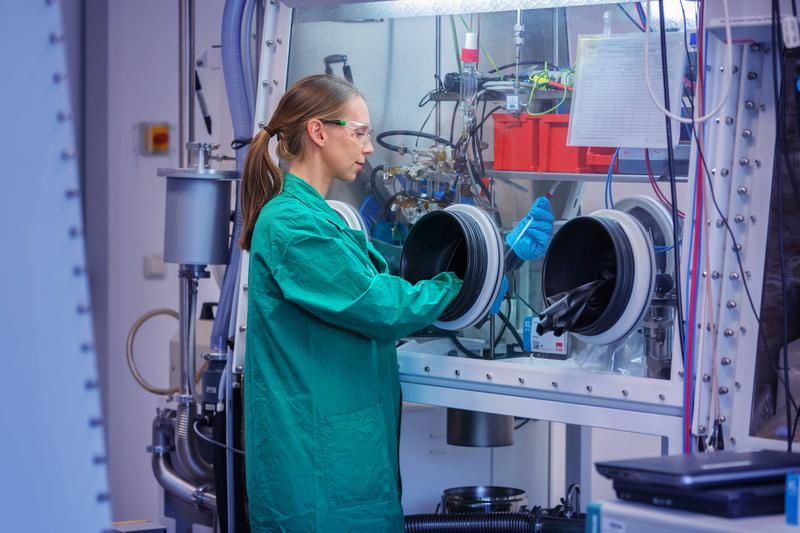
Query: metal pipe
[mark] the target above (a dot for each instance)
(167, 477)
(556, 38)
(438, 54)
(187, 450)
(187, 310)
(186, 88)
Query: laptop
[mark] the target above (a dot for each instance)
(724, 468)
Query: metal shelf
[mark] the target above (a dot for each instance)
(540, 95)
(569, 176)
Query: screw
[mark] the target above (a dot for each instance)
(752, 76)
(625, 392)
(704, 274)
(489, 376)
(280, 41)
(66, 155)
(737, 385)
(242, 329)
(261, 124)
(427, 369)
(58, 77)
(83, 309)
(86, 347)
(722, 419)
(521, 381)
(239, 369)
(244, 288)
(77, 271)
(95, 422)
(706, 378)
(269, 42)
(275, 82)
(589, 388)
(715, 275)
(744, 161)
(63, 116)
(716, 120)
(758, 163)
(726, 361)
(662, 397)
(71, 193)
(90, 384)
(728, 120)
(753, 219)
(734, 276)
(265, 84)
(747, 133)
(722, 69)
(724, 172)
(749, 104)
(738, 219)
(56, 37)
(741, 190)
(720, 223)
(723, 390)
(103, 497)
(731, 304)
(728, 332)
(680, 373)
(457, 372)
(555, 384)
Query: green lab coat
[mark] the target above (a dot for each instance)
(321, 388)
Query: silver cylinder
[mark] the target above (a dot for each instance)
(475, 429)
(187, 309)
(198, 218)
(483, 499)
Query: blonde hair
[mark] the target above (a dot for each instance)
(320, 96)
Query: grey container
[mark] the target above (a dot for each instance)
(198, 211)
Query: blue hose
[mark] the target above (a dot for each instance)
(242, 117)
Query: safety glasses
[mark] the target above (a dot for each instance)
(358, 130)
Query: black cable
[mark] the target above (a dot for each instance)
(453, 122)
(408, 133)
(462, 140)
(633, 21)
(416, 143)
(513, 330)
(505, 325)
(466, 351)
(212, 441)
(522, 423)
(673, 188)
(509, 65)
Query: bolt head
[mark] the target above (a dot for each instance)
(489, 376)
(731, 304)
(458, 372)
(725, 361)
(427, 369)
(724, 172)
(728, 120)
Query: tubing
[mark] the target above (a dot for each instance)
(169, 479)
(492, 523)
(242, 117)
(186, 445)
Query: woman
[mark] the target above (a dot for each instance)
(322, 394)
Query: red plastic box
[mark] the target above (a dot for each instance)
(539, 144)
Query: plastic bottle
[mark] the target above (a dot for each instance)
(469, 79)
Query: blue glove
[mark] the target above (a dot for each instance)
(500, 296)
(530, 237)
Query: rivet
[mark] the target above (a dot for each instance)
(103, 497)
(747, 133)
(242, 329)
(753, 219)
(744, 161)
(735, 69)
(56, 38)
(90, 384)
(724, 172)
(58, 77)
(738, 219)
(749, 104)
(275, 82)
(714, 171)
(752, 76)
(723, 390)
(261, 124)
(737, 385)
(757, 163)
(755, 47)
(86, 347)
(489, 376)
(741, 190)
(589, 388)
(715, 275)
(71, 193)
(95, 422)
(83, 309)
(66, 155)
(265, 84)
(78, 270)
(716, 120)
(728, 120)
(457, 372)
(728, 332)
(706, 378)
(720, 223)
(521, 381)
(279, 40)
(624, 392)
(555, 384)
(98, 460)
(427, 369)
(725, 361)
(662, 397)
(731, 304)
(64, 116)
(239, 369)
(722, 69)
(244, 288)
(704, 274)
(734, 276)
(680, 373)
(269, 42)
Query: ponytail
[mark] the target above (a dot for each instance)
(318, 96)
(262, 180)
